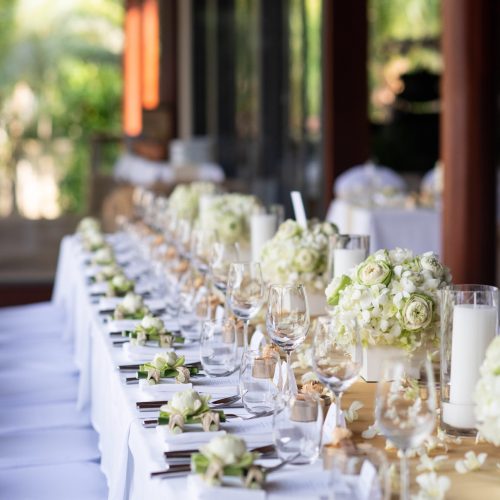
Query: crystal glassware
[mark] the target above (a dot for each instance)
(405, 408)
(335, 362)
(297, 427)
(218, 350)
(245, 292)
(345, 252)
(223, 254)
(260, 380)
(287, 319)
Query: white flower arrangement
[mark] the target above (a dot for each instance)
(131, 307)
(393, 297)
(229, 215)
(103, 257)
(297, 255)
(470, 462)
(166, 365)
(189, 407)
(227, 455)
(93, 240)
(119, 286)
(432, 487)
(88, 224)
(487, 395)
(185, 198)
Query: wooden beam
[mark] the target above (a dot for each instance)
(132, 98)
(345, 88)
(467, 147)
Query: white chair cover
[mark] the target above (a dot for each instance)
(363, 179)
(72, 481)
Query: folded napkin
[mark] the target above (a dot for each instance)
(215, 390)
(109, 303)
(98, 288)
(165, 386)
(193, 438)
(147, 353)
(199, 490)
(91, 271)
(122, 325)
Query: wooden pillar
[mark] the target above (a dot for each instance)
(150, 34)
(467, 147)
(345, 88)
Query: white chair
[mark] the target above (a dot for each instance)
(363, 180)
(75, 481)
(42, 416)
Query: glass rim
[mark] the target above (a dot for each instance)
(469, 288)
(286, 285)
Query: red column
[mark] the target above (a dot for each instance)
(150, 54)
(467, 140)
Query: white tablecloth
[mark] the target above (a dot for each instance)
(129, 451)
(418, 229)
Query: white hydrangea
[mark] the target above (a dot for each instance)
(392, 297)
(296, 254)
(487, 395)
(229, 215)
(185, 198)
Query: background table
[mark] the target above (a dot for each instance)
(418, 229)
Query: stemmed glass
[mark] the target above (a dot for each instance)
(287, 320)
(336, 362)
(202, 241)
(405, 408)
(223, 254)
(245, 292)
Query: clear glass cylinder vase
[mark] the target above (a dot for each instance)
(469, 322)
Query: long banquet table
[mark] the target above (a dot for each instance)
(131, 452)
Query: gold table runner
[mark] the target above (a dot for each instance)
(483, 484)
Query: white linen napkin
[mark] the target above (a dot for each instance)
(199, 490)
(193, 438)
(122, 325)
(165, 386)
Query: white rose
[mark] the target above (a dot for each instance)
(119, 281)
(374, 273)
(103, 255)
(185, 402)
(229, 449)
(170, 358)
(152, 322)
(306, 260)
(132, 302)
(288, 230)
(417, 312)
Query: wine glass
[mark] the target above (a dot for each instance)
(405, 408)
(287, 319)
(245, 292)
(223, 254)
(202, 241)
(336, 362)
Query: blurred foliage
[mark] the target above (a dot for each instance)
(403, 37)
(68, 52)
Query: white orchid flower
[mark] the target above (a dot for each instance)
(352, 413)
(470, 463)
(432, 487)
(428, 464)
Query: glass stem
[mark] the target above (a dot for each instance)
(404, 477)
(288, 388)
(338, 410)
(245, 333)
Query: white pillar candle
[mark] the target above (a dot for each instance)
(344, 259)
(203, 206)
(262, 229)
(474, 327)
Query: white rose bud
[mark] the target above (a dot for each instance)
(417, 312)
(374, 273)
(186, 402)
(119, 281)
(132, 302)
(170, 358)
(150, 321)
(430, 262)
(306, 260)
(229, 449)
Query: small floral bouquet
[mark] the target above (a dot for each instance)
(131, 307)
(88, 225)
(393, 297)
(166, 365)
(152, 329)
(296, 254)
(103, 257)
(93, 241)
(107, 273)
(119, 286)
(189, 407)
(487, 395)
(185, 198)
(228, 456)
(229, 215)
